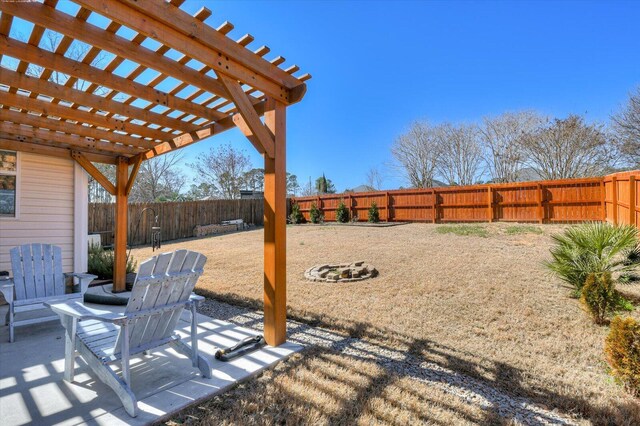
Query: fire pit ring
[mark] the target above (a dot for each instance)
(341, 272)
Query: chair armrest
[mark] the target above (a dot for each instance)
(7, 290)
(84, 280)
(195, 298)
(78, 310)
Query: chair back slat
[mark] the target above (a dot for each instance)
(37, 271)
(163, 280)
(18, 273)
(58, 276)
(49, 279)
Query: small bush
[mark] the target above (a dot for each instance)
(342, 213)
(600, 297)
(296, 215)
(101, 261)
(622, 350)
(374, 214)
(315, 214)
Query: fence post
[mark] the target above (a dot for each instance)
(435, 205)
(387, 206)
(603, 199)
(614, 201)
(540, 204)
(489, 203)
(632, 200)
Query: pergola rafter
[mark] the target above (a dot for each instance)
(124, 112)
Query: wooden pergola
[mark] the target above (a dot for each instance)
(124, 119)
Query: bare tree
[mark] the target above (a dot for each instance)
(416, 153)
(97, 194)
(460, 153)
(158, 178)
(626, 124)
(374, 178)
(569, 148)
(308, 189)
(502, 139)
(77, 51)
(223, 168)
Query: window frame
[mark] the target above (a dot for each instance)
(16, 173)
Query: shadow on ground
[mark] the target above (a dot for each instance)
(497, 388)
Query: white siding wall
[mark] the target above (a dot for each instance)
(46, 207)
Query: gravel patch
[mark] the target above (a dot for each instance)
(470, 390)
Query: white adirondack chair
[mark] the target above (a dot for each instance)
(163, 288)
(38, 278)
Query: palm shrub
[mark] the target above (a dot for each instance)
(622, 351)
(373, 214)
(296, 215)
(342, 214)
(595, 248)
(315, 214)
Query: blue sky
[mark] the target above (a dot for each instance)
(379, 65)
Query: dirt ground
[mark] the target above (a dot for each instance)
(483, 306)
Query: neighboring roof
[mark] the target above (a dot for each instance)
(527, 174)
(125, 115)
(362, 188)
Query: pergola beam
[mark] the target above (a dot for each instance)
(94, 172)
(189, 138)
(32, 54)
(37, 146)
(134, 173)
(249, 116)
(80, 130)
(58, 91)
(63, 23)
(182, 32)
(52, 109)
(69, 140)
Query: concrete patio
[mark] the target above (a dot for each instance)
(32, 390)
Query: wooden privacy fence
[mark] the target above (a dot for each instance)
(177, 219)
(614, 198)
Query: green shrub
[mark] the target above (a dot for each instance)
(342, 213)
(315, 214)
(463, 230)
(523, 229)
(600, 297)
(595, 248)
(622, 350)
(296, 215)
(373, 214)
(101, 261)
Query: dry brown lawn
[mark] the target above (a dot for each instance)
(482, 306)
(321, 387)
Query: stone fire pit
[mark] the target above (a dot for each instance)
(343, 272)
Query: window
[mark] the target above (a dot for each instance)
(8, 178)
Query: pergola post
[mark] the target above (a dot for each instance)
(275, 228)
(120, 238)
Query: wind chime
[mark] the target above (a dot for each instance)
(156, 230)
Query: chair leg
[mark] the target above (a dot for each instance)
(70, 325)
(111, 379)
(11, 325)
(201, 363)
